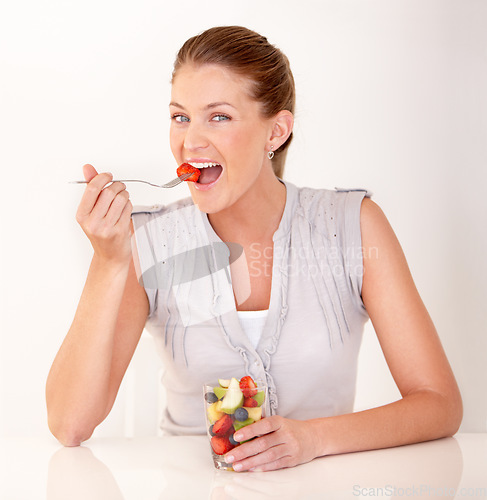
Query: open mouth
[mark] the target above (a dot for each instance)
(210, 172)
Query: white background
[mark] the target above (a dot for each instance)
(391, 96)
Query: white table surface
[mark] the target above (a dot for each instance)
(181, 468)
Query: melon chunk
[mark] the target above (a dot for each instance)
(214, 412)
(254, 413)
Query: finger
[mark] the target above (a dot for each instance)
(259, 428)
(92, 191)
(281, 463)
(89, 172)
(126, 217)
(119, 212)
(254, 447)
(261, 460)
(105, 199)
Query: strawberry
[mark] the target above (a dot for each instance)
(250, 403)
(221, 445)
(186, 168)
(223, 425)
(248, 387)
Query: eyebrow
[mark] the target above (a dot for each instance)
(208, 106)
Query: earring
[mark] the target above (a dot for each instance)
(270, 154)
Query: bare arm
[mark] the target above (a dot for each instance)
(431, 405)
(89, 367)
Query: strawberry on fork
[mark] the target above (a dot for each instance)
(186, 168)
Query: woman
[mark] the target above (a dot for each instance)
(300, 290)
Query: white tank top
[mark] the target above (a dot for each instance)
(253, 324)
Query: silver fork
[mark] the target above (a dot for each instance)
(169, 184)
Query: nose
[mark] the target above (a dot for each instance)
(195, 138)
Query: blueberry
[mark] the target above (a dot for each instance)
(241, 414)
(233, 440)
(211, 397)
(210, 430)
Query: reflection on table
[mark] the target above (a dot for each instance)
(181, 468)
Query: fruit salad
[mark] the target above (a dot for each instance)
(231, 405)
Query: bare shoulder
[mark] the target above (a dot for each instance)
(387, 279)
(372, 218)
(376, 230)
(369, 208)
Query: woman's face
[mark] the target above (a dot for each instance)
(213, 120)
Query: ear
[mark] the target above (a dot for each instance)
(283, 124)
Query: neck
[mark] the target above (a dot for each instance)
(256, 215)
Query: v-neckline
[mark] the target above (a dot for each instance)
(274, 308)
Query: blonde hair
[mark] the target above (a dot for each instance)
(251, 55)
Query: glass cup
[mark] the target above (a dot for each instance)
(228, 409)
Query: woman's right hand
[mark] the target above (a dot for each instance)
(104, 214)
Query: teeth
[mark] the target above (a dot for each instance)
(203, 165)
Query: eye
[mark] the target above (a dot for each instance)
(179, 118)
(220, 118)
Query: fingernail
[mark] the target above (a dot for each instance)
(237, 466)
(237, 437)
(229, 459)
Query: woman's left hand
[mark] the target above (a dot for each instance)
(279, 442)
